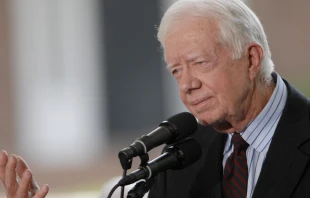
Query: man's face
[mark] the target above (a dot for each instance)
(213, 86)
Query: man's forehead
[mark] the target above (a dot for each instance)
(192, 23)
(191, 30)
(189, 36)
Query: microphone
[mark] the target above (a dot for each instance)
(177, 156)
(172, 130)
(141, 188)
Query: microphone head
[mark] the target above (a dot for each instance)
(181, 125)
(189, 151)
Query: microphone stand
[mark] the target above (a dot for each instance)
(142, 187)
(127, 163)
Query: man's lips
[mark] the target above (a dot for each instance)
(198, 101)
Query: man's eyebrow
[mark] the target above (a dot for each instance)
(170, 66)
(192, 59)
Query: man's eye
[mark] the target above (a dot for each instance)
(175, 71)
(200, 62)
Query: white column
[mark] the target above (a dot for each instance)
(58, 82)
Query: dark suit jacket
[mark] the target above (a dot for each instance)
(285, 172)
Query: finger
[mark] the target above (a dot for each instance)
(10, 182)
(42, 192)
(21, 168)
(23, 188)
(34, 187)
(3, 162)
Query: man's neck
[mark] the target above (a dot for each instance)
(250, 109)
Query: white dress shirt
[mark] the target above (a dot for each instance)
(259, 132)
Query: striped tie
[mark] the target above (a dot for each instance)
(235, 177)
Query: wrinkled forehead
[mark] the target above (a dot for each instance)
(191, 32)
(192, 26)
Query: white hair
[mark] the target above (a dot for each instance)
(238, 27)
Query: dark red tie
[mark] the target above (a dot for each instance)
(235, 178)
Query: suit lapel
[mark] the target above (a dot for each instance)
(208, 181)
(286, 159)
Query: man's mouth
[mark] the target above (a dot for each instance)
(199, 101)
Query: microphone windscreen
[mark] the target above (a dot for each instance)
(185, 124)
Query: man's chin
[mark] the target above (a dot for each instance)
(206, 118)
(220, 126)
(203, 123)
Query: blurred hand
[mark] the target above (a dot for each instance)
(17, 178)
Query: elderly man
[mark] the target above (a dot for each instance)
(256, 126)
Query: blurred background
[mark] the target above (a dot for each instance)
(81, 79)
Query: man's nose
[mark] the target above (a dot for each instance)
(188, 83)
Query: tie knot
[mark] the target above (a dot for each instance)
(239, 143)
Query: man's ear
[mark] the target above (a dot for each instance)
(255, 57)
